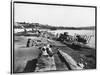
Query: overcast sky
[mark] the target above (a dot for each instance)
(55, 15)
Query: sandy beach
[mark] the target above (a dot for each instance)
(24, 54)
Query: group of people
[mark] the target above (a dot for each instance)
(31, 43)
(44, 61)
(45, 50)
(79, 38)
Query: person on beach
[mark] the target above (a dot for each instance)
(31, 43)
(28, 43)
(49, 50)
(46, 50)
(46, 59)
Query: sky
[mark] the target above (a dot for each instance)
(66, 16)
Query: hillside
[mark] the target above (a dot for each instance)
(41, 26)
